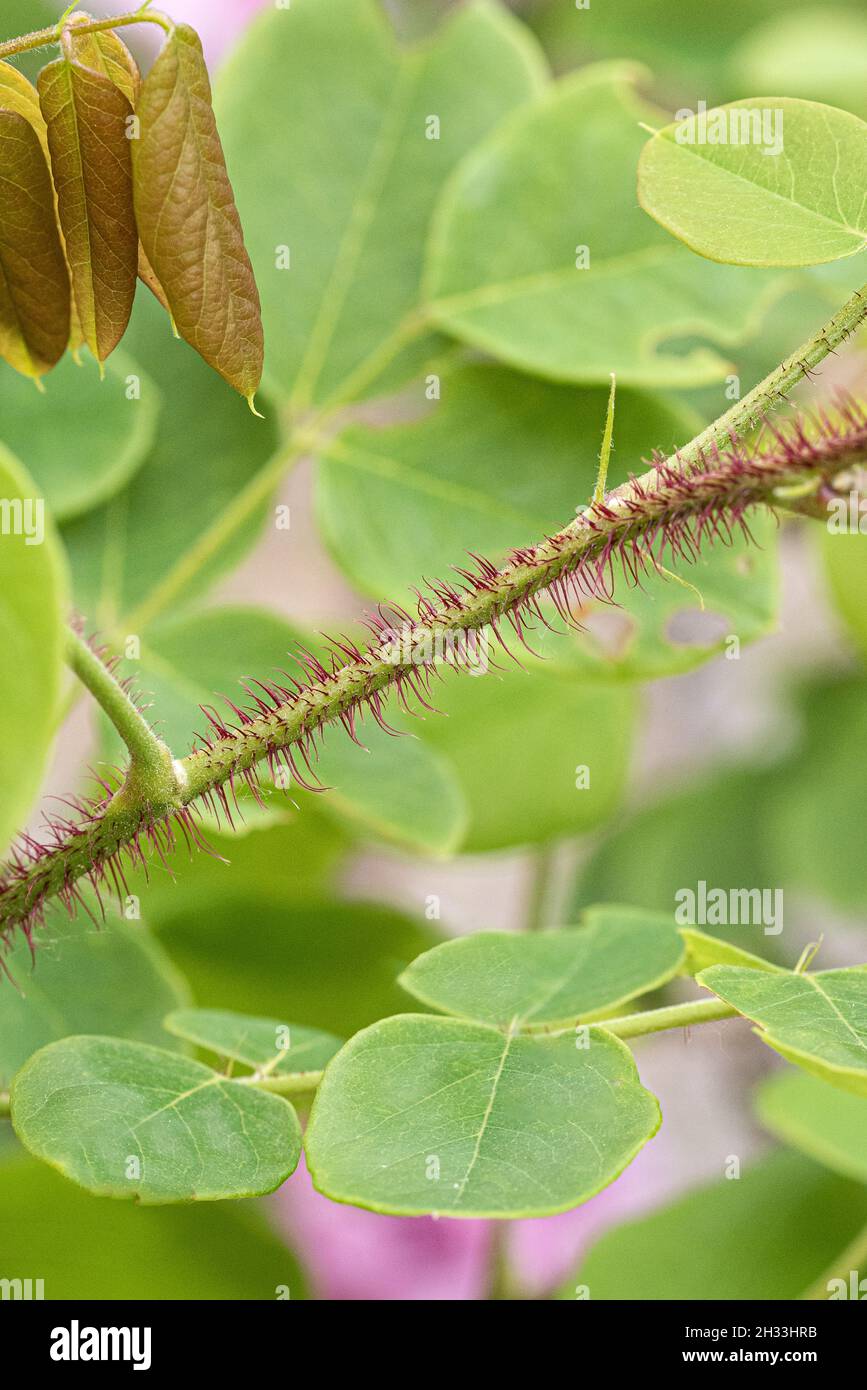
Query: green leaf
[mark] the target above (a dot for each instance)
(187, 220)
(34, 281)
(119, 1251)
(703, 951)
(818, 1119)
(398, 791)
(816, 53)
(537, 757)
(86, 441)
(351, 122)
(768, 1235)
(845, 559)
(116, 981)
(273, 1049)
(435, 1115)
(548, 978)
(458, 480)
(819, 1021)
(206, 452)
(262, 949)
(526, 209)
(768, 181)
(813, 815)
(126, 1120)
(32, 612)
(91, 160)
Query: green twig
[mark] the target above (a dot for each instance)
(854, 1257)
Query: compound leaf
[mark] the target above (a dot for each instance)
(189, 226)
(127, 1120)
(438, 1115)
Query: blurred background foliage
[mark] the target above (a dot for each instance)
(741, 773)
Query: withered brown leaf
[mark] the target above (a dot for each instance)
(187, 219)
(34, 282)
(87, 117)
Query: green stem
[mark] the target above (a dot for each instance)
(543, 866)
(145, 749)
(299, 1084)
(5, 1105)
(45, 38)
(854, 1257)
(673, 1016)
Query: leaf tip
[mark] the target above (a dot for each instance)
(251, 401)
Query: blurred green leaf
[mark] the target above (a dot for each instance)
(816, 53)
(330, 965)
(395, 789)
(537, 757)
(771, 181)
(84, 441)
(208, 447)
(818, 1021)
(267, 1046)
(814, 811)
(820, 1120)
(123, 1119)
(114, 980)
(116, 1251)
(440, 1115)
(32, 613)
(550, 268)
(768, 1235)
(350, 117)
(845, 558)
(548, 978)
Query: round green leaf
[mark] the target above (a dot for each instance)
(545, 264)
(552, 977)
(703, 951)
(32, 612)
(435, 1115)
(270, 1048)
(86, 438)
(126, 1120)
(768, 181)
(818, 1119)
(819, 1021)
(115, 980)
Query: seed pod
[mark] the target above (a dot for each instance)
(34, 282)
(187, 219)
(87, 119)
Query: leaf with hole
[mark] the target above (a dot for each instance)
(127, 1120)
(422, 1115)
(552, 977)
(767, 181)
(819, 1021)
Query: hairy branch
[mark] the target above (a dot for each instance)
(703, 493)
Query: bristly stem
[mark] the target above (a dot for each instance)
(672, 1016)
(701, 493)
